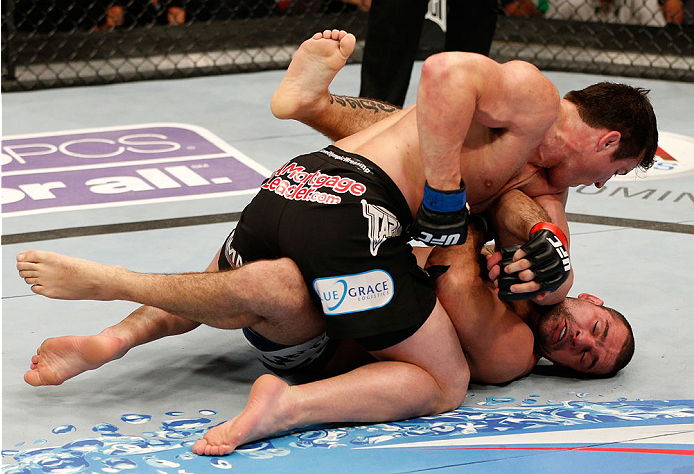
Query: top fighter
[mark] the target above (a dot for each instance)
(343, 213)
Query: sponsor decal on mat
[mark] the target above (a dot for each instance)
(118, 166)
(675, 156)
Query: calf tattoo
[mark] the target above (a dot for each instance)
(359, 103)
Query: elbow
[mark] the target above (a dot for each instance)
(434, 66)
(440, 69)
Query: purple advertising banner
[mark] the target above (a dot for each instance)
(96, 167)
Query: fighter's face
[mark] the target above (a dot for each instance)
(581, 335)
(601, 169)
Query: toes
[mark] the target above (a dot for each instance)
(27, 273)
(32, 378)
(24, 266)
(29, 256)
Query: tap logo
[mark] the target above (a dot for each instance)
(353, 293)
(674, 156)
(382, 225)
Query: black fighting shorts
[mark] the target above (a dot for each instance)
(343, 221)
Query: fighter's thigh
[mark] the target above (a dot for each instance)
(436, 349)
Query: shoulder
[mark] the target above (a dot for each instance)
(532, 90)
(507, 357)
(520, 98)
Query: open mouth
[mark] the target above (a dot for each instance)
(562, 334)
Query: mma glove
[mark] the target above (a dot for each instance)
(442, 217)
(549, 261)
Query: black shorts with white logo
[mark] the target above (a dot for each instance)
(343, 221)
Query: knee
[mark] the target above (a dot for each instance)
(281, 283)
(453, 392)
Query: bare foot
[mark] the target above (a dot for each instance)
(61, 358)
(66, 278)
(265, 414)
(305, 85)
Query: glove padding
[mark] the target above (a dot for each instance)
(442, 217)
(549, 261)
(506, 280)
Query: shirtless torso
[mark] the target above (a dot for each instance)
(498, 147)
(497, 341)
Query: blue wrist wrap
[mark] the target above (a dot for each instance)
(444, 201)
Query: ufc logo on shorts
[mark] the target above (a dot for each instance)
(563, 254)
(427, 238)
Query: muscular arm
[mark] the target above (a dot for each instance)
(555, 205)
(496, 342)
(456, 89)
(514, 214)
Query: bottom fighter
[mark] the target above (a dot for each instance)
(269, 300)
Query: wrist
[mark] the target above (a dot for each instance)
(552, 228)
(439, 200)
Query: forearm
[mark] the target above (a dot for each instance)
(555, 206)
(536, 224)
(512, 216)
(446, 102)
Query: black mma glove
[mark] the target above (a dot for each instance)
(549, 261)
(442, 217)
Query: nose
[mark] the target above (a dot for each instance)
(581, 340)
(600, 184)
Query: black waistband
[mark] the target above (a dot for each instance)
(368, 168)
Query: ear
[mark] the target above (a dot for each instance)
(593, 299)
(609, 141)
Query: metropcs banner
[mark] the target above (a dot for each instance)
(116, 166)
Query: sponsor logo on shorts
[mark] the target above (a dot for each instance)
(347, 159)
(233, 257)
(353, 293)
(382, 225)
(675, 156)
(301, 185)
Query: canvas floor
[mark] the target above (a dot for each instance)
(632, 243)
